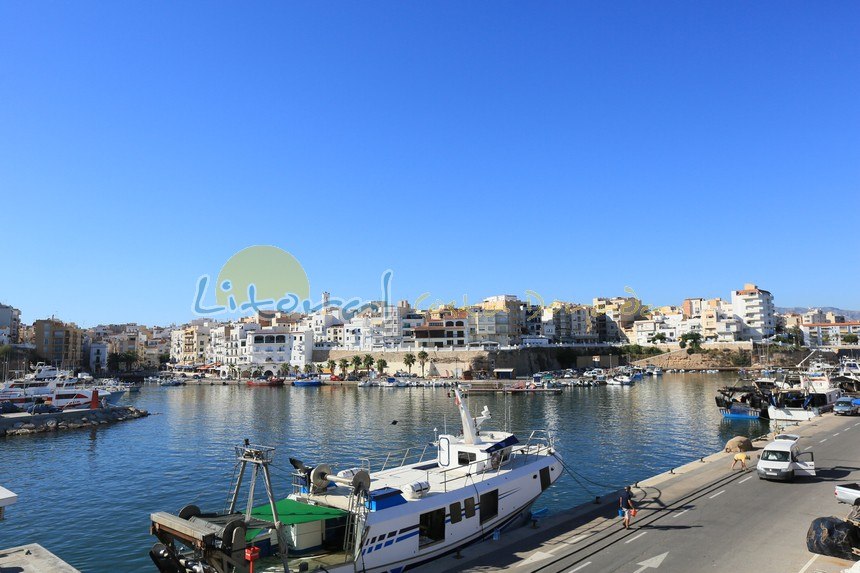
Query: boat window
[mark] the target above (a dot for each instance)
(489, 505)
(431, 527)
(456, 512)
(470, 506)
(774, 456)
(466, 458)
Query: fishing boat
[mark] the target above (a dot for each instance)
(379, 517)
(746, 402)
(271, 381)
(307, 382)
(801, 404)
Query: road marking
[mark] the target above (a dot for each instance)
(652, 563)
(836, 434)
(635, 537)
(534, 558)
(746, 479)
(822, 441)
(578, 567)
(808, 563)
(857, 424)
(716, 494)
(566, 542)
(683, 512)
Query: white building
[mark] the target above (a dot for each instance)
(753, 307)
(273, 350)
(828, 333)
(98, 357)
(10, 324)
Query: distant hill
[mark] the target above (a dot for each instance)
(848, 314)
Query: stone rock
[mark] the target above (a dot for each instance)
(739, 444)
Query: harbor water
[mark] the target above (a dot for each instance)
(86, 495)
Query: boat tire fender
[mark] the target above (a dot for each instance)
(189, 511)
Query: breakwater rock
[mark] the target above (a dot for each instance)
(24, 424)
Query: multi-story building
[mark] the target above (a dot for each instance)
(833, 318)
(719, 326)
(613, 318)
(827, 333)
(692, 307)
(566, 323)
(10, 324)
(58, 343)
(753, 307)
(98, 355)
(513, 308)
(814, 316)
(443, 328)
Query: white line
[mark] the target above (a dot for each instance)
(836, 434)
(635, 537)
(822, 441)
(682, 513)
(578, 567)
(746, 479)
(807, 448)
(857, 424)
(716, 494)
(808, 563)
(563, 544)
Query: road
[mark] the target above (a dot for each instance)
(711, 519)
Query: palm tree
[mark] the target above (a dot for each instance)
(409, 360)
(284, 370)
(367, 361)
(309, 368)
(344, 364)
(331, 365)
(381, 364)
(422, 359)
(356, 363)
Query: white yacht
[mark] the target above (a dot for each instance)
(61, 392)
(430, 502)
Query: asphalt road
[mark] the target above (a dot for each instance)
(711, 519)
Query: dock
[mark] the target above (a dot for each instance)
(32, 558)
(698, 516)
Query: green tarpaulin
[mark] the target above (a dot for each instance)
(291, 512)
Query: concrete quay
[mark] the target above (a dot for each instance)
(699, 516)
(32, 558)
(22, 423)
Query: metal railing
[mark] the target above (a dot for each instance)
(396, 459)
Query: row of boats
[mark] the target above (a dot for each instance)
(790, 396)
(59, 388)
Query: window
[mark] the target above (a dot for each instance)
(466, 458)
(775, 456)
(431, 527)
(469, 504)
(456, 512)
(489, 505)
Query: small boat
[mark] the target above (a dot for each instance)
(307, 382)
(620, 380)
(272, 381)
(798, 405)
(170, 382)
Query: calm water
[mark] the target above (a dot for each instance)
(86, 495)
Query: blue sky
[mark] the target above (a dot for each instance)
(568, 148)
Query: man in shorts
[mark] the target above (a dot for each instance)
(626, 505)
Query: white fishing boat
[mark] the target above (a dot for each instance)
(798, 405)
(430, 502)
(620, 380)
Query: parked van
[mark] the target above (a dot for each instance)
(782, 459)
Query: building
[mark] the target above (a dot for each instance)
(58, 343)
(692, 307)
(443, 328)
(719, 326)
(753, 308)
(10, 324)
(827, 333)
(566, 323)
(613, 318)
(98, 355)
(514, 315)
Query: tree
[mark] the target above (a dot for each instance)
(284, 370)
(331, 365)
(163, 358)
(850, 339)
(381, 364)
(422, 360)
(309, 368)
(113, 360)
(409, 360)
(694, 339)
(356, 363)
(344, 364)
(659, 337)
(367, 361)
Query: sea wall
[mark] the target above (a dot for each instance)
(23, 424)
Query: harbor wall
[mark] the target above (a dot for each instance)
(448, 363)
(725, 356)
(23, 423)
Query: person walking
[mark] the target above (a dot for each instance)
(742, 458)
(625, 502)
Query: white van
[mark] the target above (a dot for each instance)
(782, 459)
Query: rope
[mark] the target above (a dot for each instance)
(574, 474)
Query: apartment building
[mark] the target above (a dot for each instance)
(58, 343)
(753, 308)
(827, 333)
(443, 328)
(10, 324)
